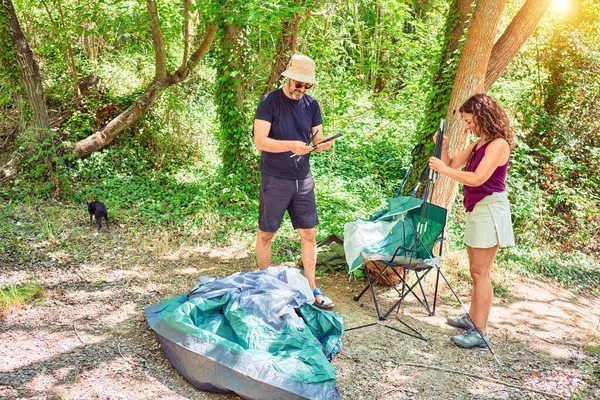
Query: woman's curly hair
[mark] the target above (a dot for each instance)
(490, 117)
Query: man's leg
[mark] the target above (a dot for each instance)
(263, 249)
(308, 248)
(480, 265)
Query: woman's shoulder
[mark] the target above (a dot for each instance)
(499, 144)
(499, 149)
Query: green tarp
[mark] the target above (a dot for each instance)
(395, 226)
(256, 325)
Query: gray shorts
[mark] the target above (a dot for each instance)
(278, 195)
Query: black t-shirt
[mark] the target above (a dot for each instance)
(290, 120)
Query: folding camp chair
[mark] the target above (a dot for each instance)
(405, 237)
(417, 227)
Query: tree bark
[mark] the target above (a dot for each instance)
(160, 55)
(470, 79)
(514, 37)
(107, 135)
(456, 23)
(286, 46)
(30, 74)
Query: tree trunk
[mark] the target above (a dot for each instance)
(30, 74)
(470, 79)
(456, 23)
(237, 153)
(285, 48)
(106, 135)
(160, 55)
(513, 38)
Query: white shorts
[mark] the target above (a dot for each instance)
(490, 224)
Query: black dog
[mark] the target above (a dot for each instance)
(97, 210)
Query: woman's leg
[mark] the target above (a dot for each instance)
(480, 265)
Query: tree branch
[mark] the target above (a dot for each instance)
(200, 52)
(513, 38)
(160, 56)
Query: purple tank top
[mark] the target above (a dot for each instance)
(495, 183)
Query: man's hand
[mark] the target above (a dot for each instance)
(299, 148)
(323, 146)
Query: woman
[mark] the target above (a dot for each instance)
(488, 222)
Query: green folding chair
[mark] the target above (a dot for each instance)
(413, 228)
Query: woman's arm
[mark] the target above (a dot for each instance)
(459, 160)
(496, 154)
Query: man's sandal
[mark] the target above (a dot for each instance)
(326, 303)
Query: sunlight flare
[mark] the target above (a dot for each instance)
(561, 6)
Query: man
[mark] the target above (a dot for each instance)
(286, 122)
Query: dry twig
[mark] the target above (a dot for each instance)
(485, 378)
(125, 358)
(77, 333)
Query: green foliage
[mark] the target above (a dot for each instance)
(574, 270)
(554, 174)
(42, 163)
(14, 296)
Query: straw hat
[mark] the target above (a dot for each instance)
(301, 69)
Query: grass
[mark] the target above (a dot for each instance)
(576, 270)
(16, 296)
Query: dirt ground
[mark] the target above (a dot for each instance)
(90, 340)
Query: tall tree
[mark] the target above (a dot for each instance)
(162, 80)
(288, 42)
(513, 38)
(30, 72)
(481, 62)
(457, 22)
(236, 144)
(469, 79)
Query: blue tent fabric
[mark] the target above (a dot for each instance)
(250, 333)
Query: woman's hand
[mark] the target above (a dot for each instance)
(436, 164)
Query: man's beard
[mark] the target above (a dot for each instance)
(294, 93)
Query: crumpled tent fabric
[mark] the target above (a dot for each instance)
(250, 333)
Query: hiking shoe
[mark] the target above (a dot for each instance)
(462, 322)
(470, 338)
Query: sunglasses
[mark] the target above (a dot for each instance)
(300, 85)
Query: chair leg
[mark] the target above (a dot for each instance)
(437, 280)
(410, 289)
(423, 292)
(370, 286)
